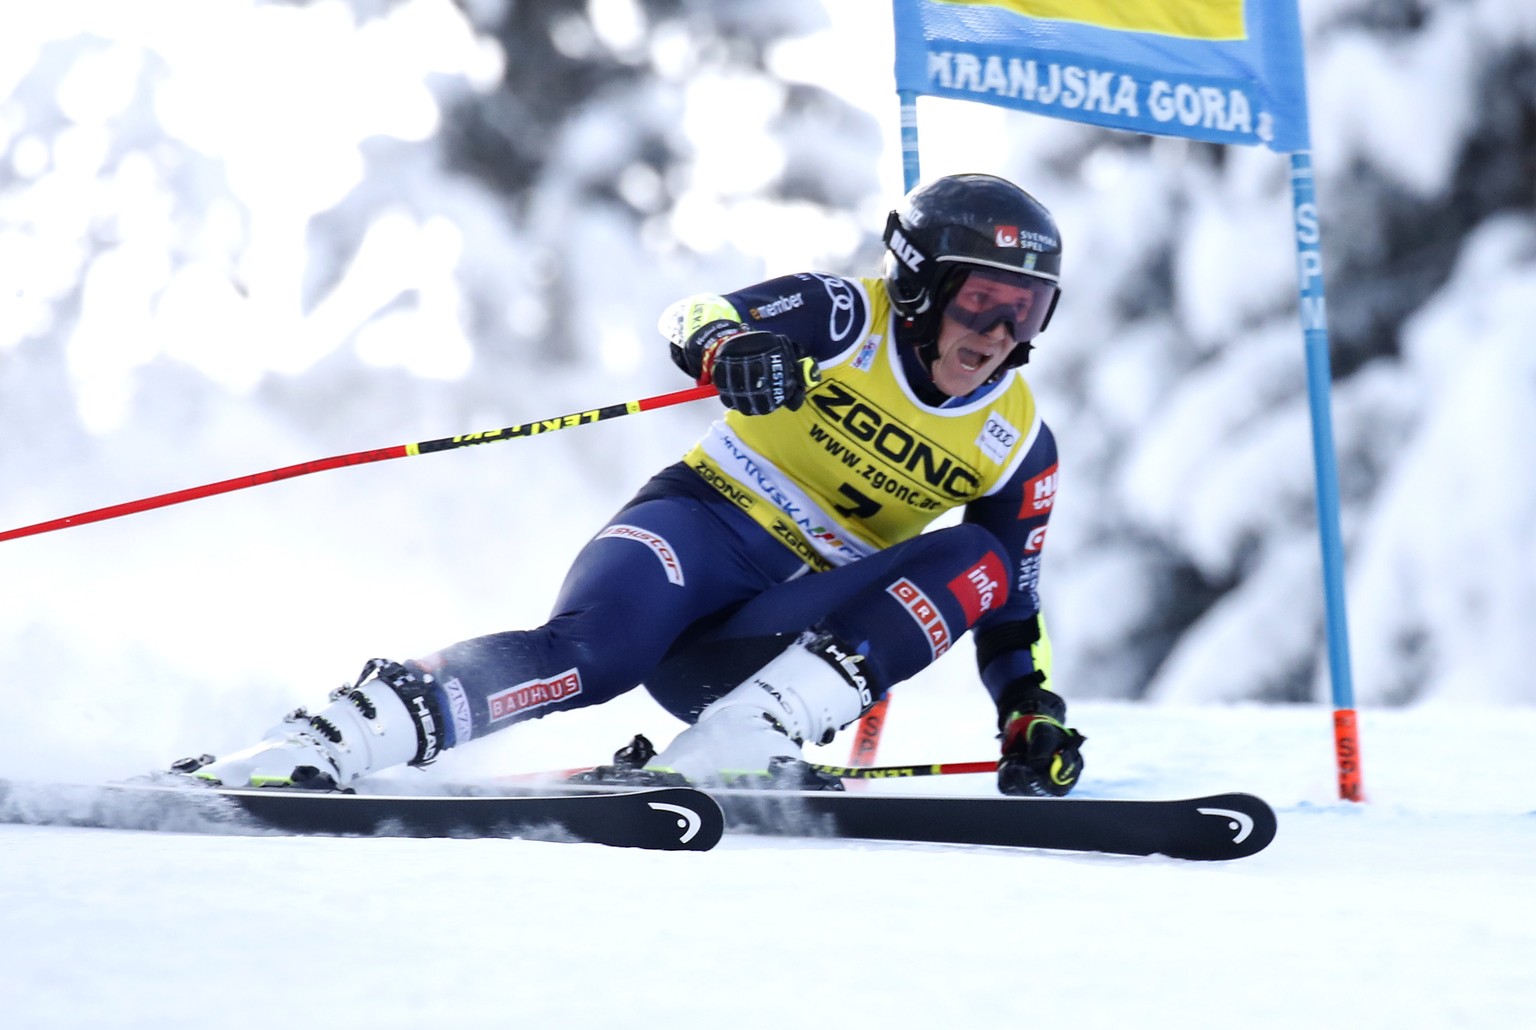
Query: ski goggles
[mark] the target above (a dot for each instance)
(985, 297)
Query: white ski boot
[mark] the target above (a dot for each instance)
(812, 689)
(387, 718)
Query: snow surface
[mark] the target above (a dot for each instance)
(1417, 910)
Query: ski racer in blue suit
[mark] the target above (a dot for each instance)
(775, 583)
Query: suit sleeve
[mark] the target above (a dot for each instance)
(1013, 650)
(824, 314)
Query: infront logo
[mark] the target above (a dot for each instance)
(981, 588)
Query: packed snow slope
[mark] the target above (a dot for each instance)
(1415, 910)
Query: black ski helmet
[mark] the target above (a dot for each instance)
(947, 227)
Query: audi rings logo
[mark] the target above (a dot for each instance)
(840, 322)
(687, 819)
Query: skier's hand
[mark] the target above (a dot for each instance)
(758, 372)
(1041, 755)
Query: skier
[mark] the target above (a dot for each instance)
(775, 583)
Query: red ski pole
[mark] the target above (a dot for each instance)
(887, 772)
(406, 450)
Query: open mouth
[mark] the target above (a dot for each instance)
(971, 360)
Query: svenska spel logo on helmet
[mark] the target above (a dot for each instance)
(1011, 236)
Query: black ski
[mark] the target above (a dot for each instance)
(667, 819)
(1222, 826)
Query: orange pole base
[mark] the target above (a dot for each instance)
(1346, 745)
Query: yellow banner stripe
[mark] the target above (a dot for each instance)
(1191, 19)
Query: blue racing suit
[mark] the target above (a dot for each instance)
(779, 522)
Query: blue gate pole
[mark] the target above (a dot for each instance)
(1314, 324)
(909, 164)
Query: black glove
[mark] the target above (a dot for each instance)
(758, 372)
(1040, 754)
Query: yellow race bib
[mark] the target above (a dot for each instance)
(863, 464)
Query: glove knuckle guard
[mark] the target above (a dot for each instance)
(1041, 755)
(758, 372)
